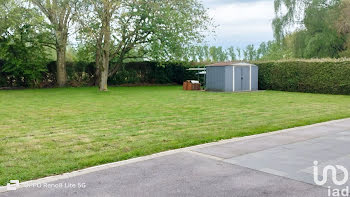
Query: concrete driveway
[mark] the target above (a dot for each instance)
(274, 164)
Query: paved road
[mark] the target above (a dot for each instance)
(274, 164)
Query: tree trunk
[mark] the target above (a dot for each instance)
(61, 67)
(104, 74)
(104, 63)
(98, 59)
(98, 64)
(61, 44)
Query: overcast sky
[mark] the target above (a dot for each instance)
(240, 22)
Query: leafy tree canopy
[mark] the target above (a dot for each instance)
(312, 28)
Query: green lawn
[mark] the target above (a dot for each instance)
(51, 131)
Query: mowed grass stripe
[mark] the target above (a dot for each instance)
(52, 131)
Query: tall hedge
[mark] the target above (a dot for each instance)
(82, 74)
(328, 77)
(153, 72)
(316, 76)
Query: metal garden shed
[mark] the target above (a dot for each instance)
(232, 77)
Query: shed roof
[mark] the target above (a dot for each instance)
(231, 64)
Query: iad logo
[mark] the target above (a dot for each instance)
(333, 170)
(12, 185)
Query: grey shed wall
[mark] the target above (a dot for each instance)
(232, 78)
(215, 80)
(255, 78)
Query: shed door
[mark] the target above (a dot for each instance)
(245, 78)
(238, 78)
(242, 78)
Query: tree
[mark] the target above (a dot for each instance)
(222, 55)
(104, 11)
(262, 50)
(250, 53)
(315, 36)
(193, 53)
(206, 53)
(342, 25)
(285, 19)
(186, 56)
(60, 14)
(200, 53)
(214, 56)
(275, 51)
(239, 53)
(10, 15)
(231, 53)
(131, 29)
(22, 47)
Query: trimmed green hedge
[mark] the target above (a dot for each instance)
(327, 77)
(82, 74)
(153, 73)
(314, 76)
